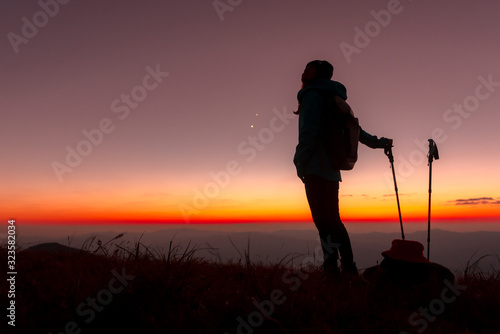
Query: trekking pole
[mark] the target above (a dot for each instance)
(388, 152)
(433, 154)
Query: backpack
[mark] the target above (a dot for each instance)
(340, 135)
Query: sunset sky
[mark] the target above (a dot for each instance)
(181, 111)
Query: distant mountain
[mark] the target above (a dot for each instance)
(452, 249)
(52, 247)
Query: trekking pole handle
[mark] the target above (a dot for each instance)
(433, 151)
(388, 152)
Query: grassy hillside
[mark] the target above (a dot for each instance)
(112, 288)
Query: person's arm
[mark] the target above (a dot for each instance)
(372, 141)
(309, 127)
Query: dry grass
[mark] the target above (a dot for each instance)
(173, 291)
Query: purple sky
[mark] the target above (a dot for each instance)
(224, 69)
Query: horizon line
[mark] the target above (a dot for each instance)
(451, 220)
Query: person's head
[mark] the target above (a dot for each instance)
(317, 69)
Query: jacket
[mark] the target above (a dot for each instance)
(309, 156)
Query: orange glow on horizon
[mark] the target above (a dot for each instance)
(306, 218)
(286, 206)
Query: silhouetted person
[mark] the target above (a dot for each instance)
(313, 168)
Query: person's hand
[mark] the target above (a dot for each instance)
(388, 146)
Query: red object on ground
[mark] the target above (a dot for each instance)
(406, 250)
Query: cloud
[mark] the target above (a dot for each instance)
(475, 201)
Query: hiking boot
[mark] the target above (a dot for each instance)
(330, 267)
(350, 269)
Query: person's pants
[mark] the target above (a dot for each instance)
(323, 198)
